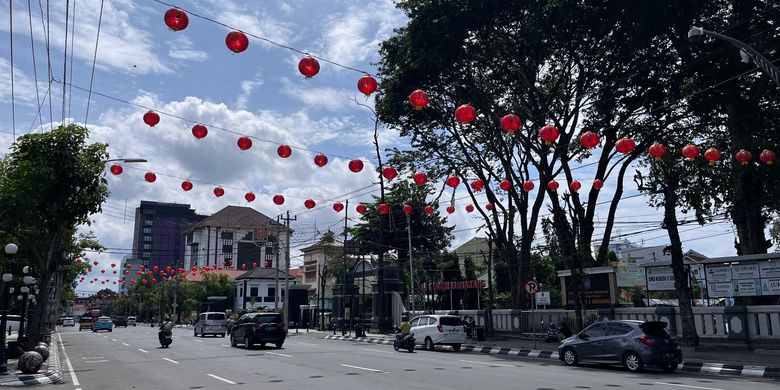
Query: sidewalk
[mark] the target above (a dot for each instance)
(700, 359)
(50, 372)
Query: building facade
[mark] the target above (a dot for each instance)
(257, 289)
(158, 236)
(237, 237)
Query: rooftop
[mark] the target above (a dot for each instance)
(238, 217)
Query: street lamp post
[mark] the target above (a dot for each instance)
(28, 281)
(127, 160)
(747, 53)
(10, 250)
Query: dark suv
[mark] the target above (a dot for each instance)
(258, 328)
(120, 321)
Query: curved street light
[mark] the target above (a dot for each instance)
(697, 34)
(127, 160)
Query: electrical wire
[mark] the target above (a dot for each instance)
(11, 38)
(35, 67)
(94, 60)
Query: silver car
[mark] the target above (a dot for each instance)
(213, 323)
(634, 344)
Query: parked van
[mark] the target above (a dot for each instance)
(213, 323)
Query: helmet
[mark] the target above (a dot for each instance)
(167, 317)
(404, 318)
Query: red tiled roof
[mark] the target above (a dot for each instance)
(296, 272)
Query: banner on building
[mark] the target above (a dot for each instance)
(660, 279)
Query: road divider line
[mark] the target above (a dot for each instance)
(375, 350)
(278, 354)
(143, 350)
(113, 339)
(96, 361)
(198, 341)
(307, 344)
(687, 386)
(222, 379)
(170, 360)
(487, 363)
(71, 371)
(225, 345)
(126, 344)
(364, 368)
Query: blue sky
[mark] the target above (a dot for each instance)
(259, 92)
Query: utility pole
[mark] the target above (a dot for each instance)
(286, 263)
(411, 265)
(276, 266)
(489, 316)
(176, 294)
(344, 274)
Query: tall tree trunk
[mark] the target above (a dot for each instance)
(747, 212)
(40, 326)
(571, 257)
(690, 338)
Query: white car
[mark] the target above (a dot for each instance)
(68, 321)
(438, 329)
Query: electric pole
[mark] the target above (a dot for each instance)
(344, 274)
(286, 263)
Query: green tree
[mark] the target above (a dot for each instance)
(50, 183)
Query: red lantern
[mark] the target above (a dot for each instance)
(102, 271)
(176, 19)
(510, 123)
(384, 209)
(407, 209)
(244, 143)
(690, 151)
(132, 281)
(366, 85)
(250, 197)
(428, 210)
(243, 266)
(95, 263)
(657, 150)
(284, 151)
(206, 269)
(338, 206)
(154, 280)
(419, 99)
(743, 156)
(549, 134)
(116, 169)
(320, 160)
(505, 185)
(450, 209)
(309, 203)
(186, 185)
(236, 41)
(254, 265)
(477, 185)
(218, 191)
(309, 66)
(528, 186)
(469, 208)
(465, 113)
(150, 177)
(129, 266)
(194, 269)
(712, 155)
(598, 184)
(589, 140)
(767, 156)
(200, 131)
(113, 265)
(389, 173)
(141, 267)
(420, 178)
(575, 185)
(356, 165)
(552, 185)
(361, 209)
(151, 118)
(155, 269)
(168, 269)
(625, 145)
(127, 272)
(453, 181)
(489, 207)
(278, 200)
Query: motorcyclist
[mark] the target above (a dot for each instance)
(166, 328)
(404, 329)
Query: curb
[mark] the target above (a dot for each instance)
(52, 375)
(688, 367)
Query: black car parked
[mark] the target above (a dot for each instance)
(258, 328)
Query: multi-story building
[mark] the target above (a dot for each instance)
(238, 237)
(158, 237)
(129, 274)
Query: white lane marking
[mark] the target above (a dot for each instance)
(306, 344)
(96, 361)
(198, 341)
(93, 357)
(72, 372)
(172, 361)
(375, 350)
(222, 379)
(487, 363)
(126, 344)
(278, 354)
(225, 345)
(364, 368)
(113, 339)
(142, 350)
(687, 386)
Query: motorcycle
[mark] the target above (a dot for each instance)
(166, 338)
(406, 343)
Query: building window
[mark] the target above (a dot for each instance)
(148, 222)
(240, 292)
(227, 249)
(148, 230)
(194, 254)
(248, 236)
(271, 291)
(147, 246)
(147, 254)
(227, 235)
(148, 238)
(253, 292)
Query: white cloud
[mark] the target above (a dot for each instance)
(251, 19)
(329, 98)
(181, 48)
(24, 85)
(247, 88)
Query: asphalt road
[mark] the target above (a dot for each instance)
(130, 358)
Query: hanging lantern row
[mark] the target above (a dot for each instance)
(713, 155)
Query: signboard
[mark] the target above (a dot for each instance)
(770, 286)
(660, 279)
(718, 273)
(597, 291)
(543, 298)
(744, 271)
(531, 287)
(631, 276)
(747, 288)
(769, 269)
(457, 285)
(719, 289)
